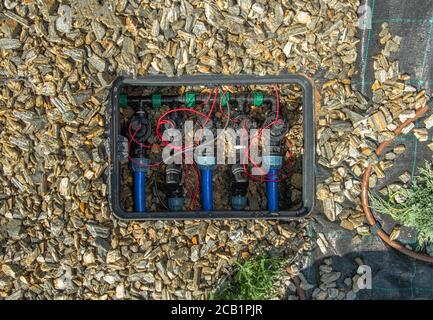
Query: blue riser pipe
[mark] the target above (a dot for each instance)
(272, 190)
(206, 190)
(139, 191)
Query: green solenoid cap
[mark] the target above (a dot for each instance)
(156, 100)
(190, 99)
(225, 98)
(258, 98)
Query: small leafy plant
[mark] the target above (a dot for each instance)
(253, 280)
(412, 206)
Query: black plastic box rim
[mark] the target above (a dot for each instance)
(308, 160)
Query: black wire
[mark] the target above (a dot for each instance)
(155, 190)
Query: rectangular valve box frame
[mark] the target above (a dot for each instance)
(308, 158)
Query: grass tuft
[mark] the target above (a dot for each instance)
(417, 209)
(253, 280)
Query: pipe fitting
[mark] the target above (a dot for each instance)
(206, 162)
(176, 204)
(239, 202)
(273, 161)
(139, 164)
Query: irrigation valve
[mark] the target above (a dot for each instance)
(173, 183)
(273, 161)
(173, 172)
(239, 185)
(139, 132)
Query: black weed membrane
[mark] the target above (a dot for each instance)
(394, 275)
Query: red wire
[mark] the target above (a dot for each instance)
(169, 112)
(212, 107)
(133, 137)
(259, 134)
(206, 101)
(289, 161)
(222, 111)
(160, 121)
(191, 110)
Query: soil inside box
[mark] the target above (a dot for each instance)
(290, 177)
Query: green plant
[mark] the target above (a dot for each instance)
(412, 206)
(253, 280)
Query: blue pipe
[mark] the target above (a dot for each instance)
(272, 190)
(140, 191)
(239, 203)
(206, 189)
